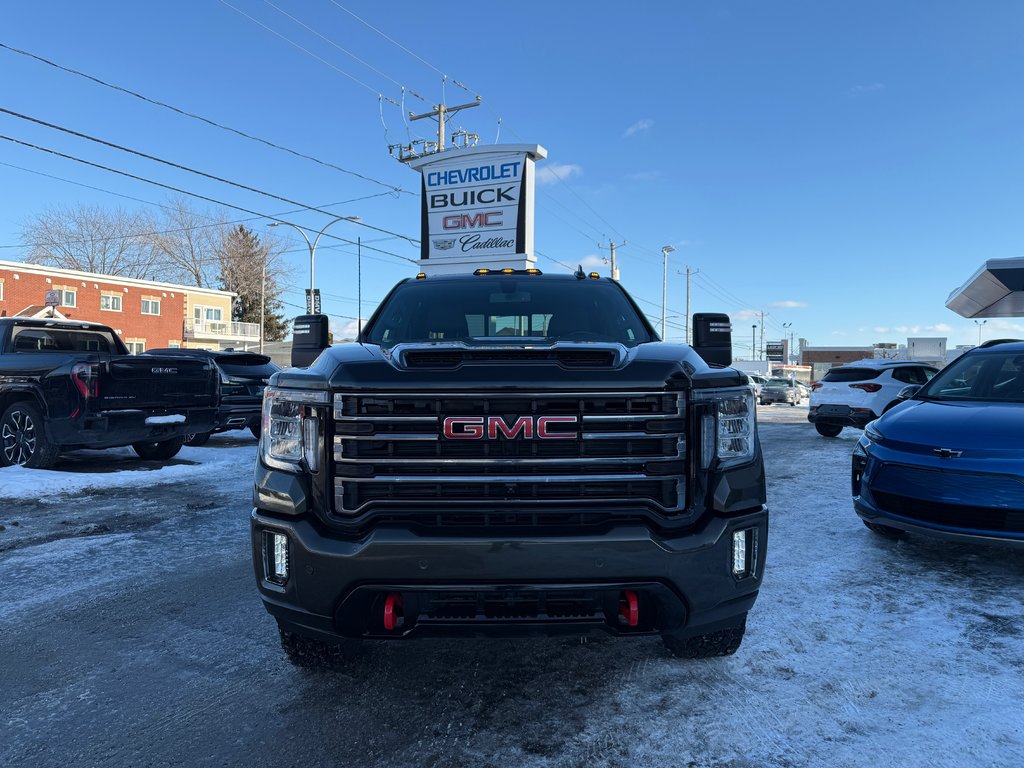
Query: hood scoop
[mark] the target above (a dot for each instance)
(448, 357)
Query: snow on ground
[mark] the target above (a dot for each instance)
(121, 467)
(74, 499)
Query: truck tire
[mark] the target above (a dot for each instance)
(311, 653)
(721, 642)
(196, 439)
(828, 430)
(256, 428)
(23, 438)
(158, 451)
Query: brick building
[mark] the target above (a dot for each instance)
(145, 314)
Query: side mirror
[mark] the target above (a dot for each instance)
(908, 392)
(309, 339)
(712, 338)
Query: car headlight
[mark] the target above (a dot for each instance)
(291, 434)
(871, 432)
(728, 432)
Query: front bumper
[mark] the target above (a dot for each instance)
(337, 586)
(923, 494)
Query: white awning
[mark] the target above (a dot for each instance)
(995, 290)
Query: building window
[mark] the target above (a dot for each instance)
(110, 302)
(136, 347)
(208, 314)
(151, 306)
(1, 290)
(174, 345)
(68, 298)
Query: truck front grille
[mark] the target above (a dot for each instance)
(605, 450)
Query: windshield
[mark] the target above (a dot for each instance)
(502, 307)
(988, 376)
(773, 383)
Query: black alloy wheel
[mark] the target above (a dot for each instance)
(23, 438)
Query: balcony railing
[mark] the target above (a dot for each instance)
(220, 329)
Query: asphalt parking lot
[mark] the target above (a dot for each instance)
(131, 634)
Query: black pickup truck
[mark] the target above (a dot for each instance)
(67, 384)
(509, 453)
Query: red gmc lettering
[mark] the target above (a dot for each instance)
(497, 424)
(472, 427)
(544, 421)
(470, 221)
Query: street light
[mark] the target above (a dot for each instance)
(665, 251)
(980, 324)
(312, 246)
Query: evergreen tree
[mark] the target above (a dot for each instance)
(243, 260)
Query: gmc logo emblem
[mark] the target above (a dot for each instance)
(492, 427)
(468, 221)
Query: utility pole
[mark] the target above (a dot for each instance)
(753, 342)
(761, 346)
(263, 298)
(665, 251)
(441, 112)
(611, 249)
(688, 273)
(789, 349)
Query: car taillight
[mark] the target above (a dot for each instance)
(86, 377)
(816, 386)
(867, 387)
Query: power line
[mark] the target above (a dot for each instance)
(345, 51)
(189, 169)
(208, 121)
(160, 205)
(306, 51)
(187, 192)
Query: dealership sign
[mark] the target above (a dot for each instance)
(477, 207)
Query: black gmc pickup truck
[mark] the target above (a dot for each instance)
(509, 453)
(68, 384)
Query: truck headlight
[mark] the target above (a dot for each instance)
(728, 432)
(291, 432)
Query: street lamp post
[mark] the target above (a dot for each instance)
(753, 341)
(980, 324)
(312, 245)
(665, 251)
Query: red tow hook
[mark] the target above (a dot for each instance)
(629, 608)
(393, 611)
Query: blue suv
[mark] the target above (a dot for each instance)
(949, 460)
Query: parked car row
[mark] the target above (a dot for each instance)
(66, 385)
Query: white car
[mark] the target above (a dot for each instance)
(756, 381)
(856, 393)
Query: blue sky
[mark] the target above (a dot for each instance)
(839, 166)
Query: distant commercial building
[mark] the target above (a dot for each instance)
(145, 314)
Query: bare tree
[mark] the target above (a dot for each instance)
(93, 239)
(187, 243)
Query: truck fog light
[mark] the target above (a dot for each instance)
(744, 550)
(275, 557)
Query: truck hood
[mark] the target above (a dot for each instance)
(958, 426)
(508, 367)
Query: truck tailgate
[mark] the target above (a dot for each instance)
(166, 382)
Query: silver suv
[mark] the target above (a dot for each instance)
(856, 393)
